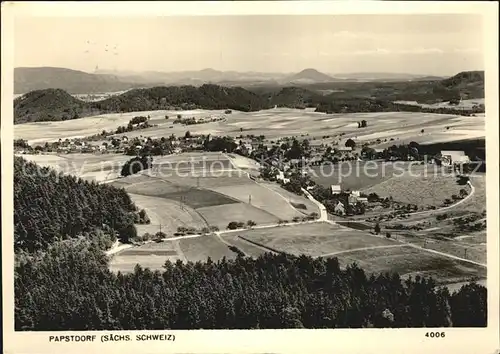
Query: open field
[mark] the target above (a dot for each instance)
(410, 261)
(166, 214)
(244, 163)
(473, 251)
(261, 198)
(273, 123)
(356, 175)
(315, 239)
(200, 248)
(211, 180)
(302, 204)
(421, 190)
(96, 167)
(191, 165)
(222, 215)
(246, 247)
(191, 196)
(464, 104)
(151, 255)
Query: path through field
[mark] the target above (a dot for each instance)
(359, 249)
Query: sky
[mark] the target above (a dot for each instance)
(335, 44)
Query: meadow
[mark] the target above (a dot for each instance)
(411, 261)
(423, 190)
(150, 255)
(90, 167)
(314, 239)
(200, 248)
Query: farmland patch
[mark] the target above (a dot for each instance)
(410, 261)
(200, 248)
(222, 215)
(316, 239)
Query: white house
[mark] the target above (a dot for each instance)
(449, 157)
(363, 200)
(344, 148)
(248, 147)
(356, 193)
(339, 208)
(336, 189)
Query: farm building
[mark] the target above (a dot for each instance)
(352, 199)
(449, 157)
(336, 189)
(344, 148)
(363, 200)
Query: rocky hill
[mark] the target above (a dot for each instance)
(308, 76)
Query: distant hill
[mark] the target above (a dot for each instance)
(48, 105)
(308, 76)
(196, 77)
(387, 77)
(465, 79)
(72, 81)
(465, 85)
(207, 96)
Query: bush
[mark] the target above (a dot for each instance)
(160, 235)
(388, 234)
(251, 223)
(233, 225)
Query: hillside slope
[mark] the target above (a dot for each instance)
(49, 105)
(73, 81)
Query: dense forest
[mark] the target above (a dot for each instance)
(50, 207)
(339, 97)
(183, 97)
(69, 287)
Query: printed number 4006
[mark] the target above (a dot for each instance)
(435, 334)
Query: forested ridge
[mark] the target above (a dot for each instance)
(49, 207)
